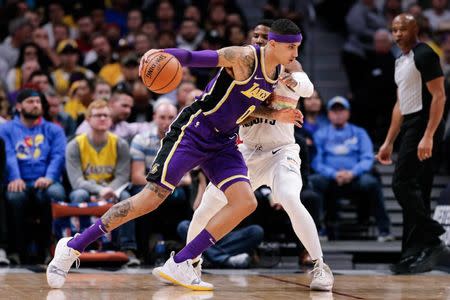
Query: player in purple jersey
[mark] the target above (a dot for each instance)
(203, 135)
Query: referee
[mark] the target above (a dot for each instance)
(417, 115)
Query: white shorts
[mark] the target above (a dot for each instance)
(265, 165)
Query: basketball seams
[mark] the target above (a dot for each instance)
(149, 59)
(160, 69)
(175, 76)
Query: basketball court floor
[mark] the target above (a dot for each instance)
(131, 284)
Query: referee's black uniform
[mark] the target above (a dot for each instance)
(413, 179)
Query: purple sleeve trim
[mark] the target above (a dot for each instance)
(201, 59)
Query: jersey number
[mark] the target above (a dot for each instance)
(246, 114)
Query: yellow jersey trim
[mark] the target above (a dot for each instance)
(231, 178)
(174, 148)
(233, 83)
(263, 67)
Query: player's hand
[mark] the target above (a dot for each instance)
(425, 148)
(17, 185)
(384, 154)
(287, 80)
(289, 115)
(43, 183)
(145, 57)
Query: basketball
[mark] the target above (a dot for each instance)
(161, 73)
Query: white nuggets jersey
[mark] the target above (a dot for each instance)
(271, 133)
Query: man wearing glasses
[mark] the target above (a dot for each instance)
(98, 166)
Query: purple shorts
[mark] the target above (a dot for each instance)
(192, 142)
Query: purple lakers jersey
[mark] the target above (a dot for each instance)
(226, 102)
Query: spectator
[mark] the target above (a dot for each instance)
(165, 16)
(102, 90)
(57, 116)
(381, 88)
(190, 35)
(80, 97)
(35, 158)
(235, 35)
(183, 91)
(142, 43)
(125, 71)
(314, 119)
(362, 21)
(344, 163)
(85, 31)
(98, 167)
(142, 110)
(437, 14)
(4, 106)
(4, 261)
(69, 55)
(56, 16)
(41, 80)
(134, 24)
(103, 52)
(19, 33)
(120, 105)
(40, 38)
(28, 52)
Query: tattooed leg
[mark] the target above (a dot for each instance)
(144, 202)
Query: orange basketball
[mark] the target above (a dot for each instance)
(161, 73)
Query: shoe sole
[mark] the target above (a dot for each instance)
(174, 281)
(327, 288)
(156, 272)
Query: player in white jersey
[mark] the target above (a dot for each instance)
(272, 157)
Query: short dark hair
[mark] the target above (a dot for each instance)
(284, 26)
(265, 22)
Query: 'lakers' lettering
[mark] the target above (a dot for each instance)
(256, 92)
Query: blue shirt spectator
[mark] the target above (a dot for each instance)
(342, 146)
(35, 157)
(344, 163)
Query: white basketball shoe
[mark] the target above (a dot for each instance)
(183, 274)
(60, 265)
(322, 277)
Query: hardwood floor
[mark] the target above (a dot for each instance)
(238, 286)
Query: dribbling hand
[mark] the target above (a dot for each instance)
(145, 57)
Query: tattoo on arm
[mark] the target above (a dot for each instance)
(161, 192)
(263, 112)
(231, 57)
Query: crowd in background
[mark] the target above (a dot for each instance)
(78, 125)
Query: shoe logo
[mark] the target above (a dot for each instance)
(258, 78)
(196, 281)
(57, 271)
(275, 151)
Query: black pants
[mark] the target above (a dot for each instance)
(412, 183)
